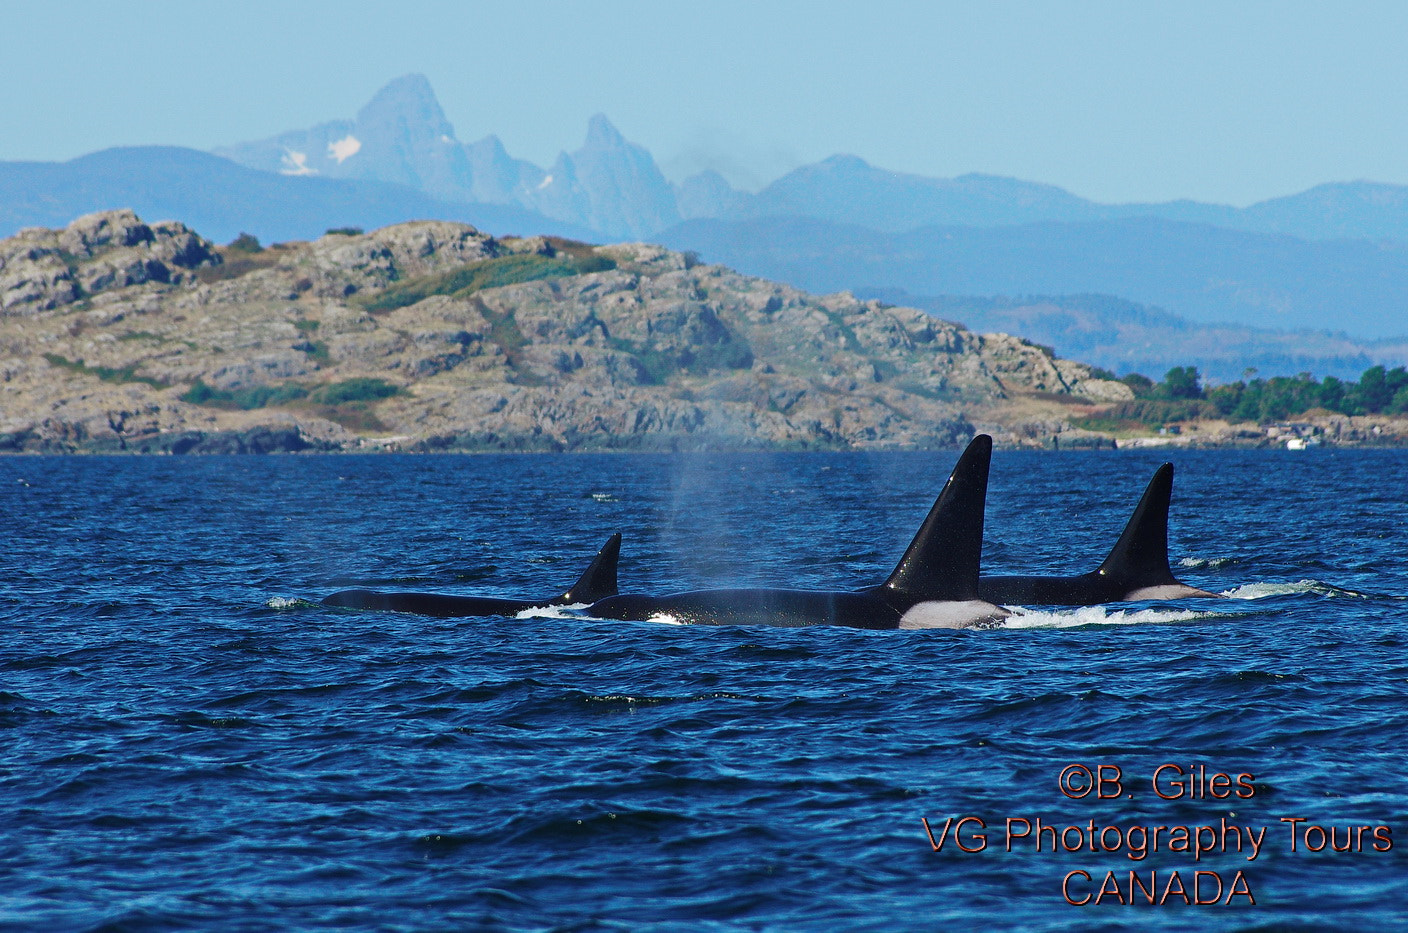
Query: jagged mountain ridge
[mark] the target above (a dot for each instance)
(401, 136)
(615, 187)
(608, 185)
(121, 335)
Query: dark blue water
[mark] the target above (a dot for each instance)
(186, 743)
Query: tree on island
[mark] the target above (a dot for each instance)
(1180, 396)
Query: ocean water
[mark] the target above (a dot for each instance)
(187, 741)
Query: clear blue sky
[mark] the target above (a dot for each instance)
(1116, 101)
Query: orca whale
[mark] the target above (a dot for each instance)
(1136, 568)
(935, 584)
(598, 582)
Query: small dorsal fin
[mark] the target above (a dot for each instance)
(1140, 556)
(942, 561)
(599, 580)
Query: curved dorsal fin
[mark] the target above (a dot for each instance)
(599, 580)
(1140, 556)
(942, 561)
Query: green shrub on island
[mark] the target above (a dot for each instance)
(486, 273)
(241, 255)
(360, 389)
(105, 373)
(349, 391)
(246, 399)
(349, 402)
(660, 366)
(245, 243)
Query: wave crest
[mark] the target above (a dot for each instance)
(1099, 615)
(1267, 590)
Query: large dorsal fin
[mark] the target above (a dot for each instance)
(599, 580)
(942, 561)
(1140, 556)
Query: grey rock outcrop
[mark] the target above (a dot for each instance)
(43, 269)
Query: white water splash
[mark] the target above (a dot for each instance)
(1099, 615)
(288, 602)
(664, 618)
(550, 612)
(1265, 590)
(1207, 562)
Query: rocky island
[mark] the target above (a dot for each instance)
(119, 335)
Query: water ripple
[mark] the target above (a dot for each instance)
(191, 741)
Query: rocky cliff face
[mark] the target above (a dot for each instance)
(41, 270)
(120, 335)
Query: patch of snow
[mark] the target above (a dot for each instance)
(445, 139)
(547, 180)
(296, 163)
(344, 148)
